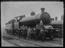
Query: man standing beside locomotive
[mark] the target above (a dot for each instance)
(28, 32)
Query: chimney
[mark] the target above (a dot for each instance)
(42, 10)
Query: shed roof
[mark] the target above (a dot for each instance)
(57, 22)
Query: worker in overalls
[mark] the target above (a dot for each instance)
(28, 32)
(42, 34)
(25, 32)
(37, 31)
(33, 33)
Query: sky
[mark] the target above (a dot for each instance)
(9, 10)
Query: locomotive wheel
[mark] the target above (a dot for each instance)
(43, 36)
(51, 37)
(8, 32)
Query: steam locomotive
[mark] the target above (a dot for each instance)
(30, 27)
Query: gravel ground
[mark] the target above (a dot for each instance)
(36, 43)
(6, 44)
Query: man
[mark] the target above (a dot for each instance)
(42, 34)
(28, 32)
(37, 31)
(33, 33)
(25, 32)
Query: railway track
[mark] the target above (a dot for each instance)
(23, 42)
(9, 40)
(28, 43)
(19, 43)
(14, 44)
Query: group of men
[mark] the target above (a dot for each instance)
(30, 33)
